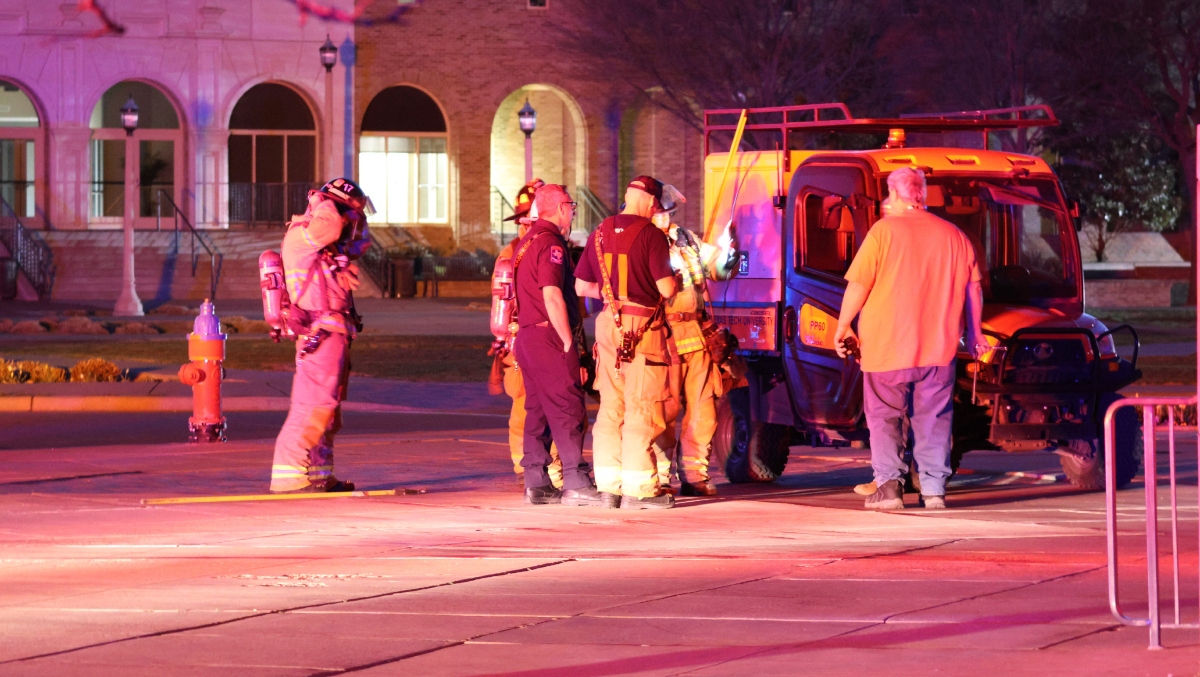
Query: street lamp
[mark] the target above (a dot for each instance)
(129, 116)
(128, 303)
(527, 120)
(329, 54)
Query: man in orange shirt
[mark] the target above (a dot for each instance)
(912, 279)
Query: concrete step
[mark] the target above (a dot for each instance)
(88, 264)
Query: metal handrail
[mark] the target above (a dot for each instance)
(593, 208)
(34, 257)
(215, 257)
(376, 263)
(506, 209)
(1150, 450)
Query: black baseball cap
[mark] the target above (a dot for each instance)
(648, 184)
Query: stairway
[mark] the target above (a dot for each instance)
(88, 265)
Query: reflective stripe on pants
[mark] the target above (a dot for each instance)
(304, 447)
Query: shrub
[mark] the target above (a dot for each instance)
(136, 328)
(40, 372)
(79, 325)
(242, 325)
(172, 309)
(11, 373)
(173, 326)
(28, 327)
(94, 370)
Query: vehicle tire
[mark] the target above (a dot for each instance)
(1084, 465)
(1128, 442)
(769, 448)
(731, 442)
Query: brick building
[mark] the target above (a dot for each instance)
(238, 119)
(480, 60)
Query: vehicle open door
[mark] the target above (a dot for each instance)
(829, 212)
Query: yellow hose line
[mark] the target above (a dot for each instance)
(280, 497)
(737, 142)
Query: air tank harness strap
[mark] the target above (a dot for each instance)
(629, 339)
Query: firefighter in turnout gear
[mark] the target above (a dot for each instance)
(317, 252)
(509, 375)
(695, 379)
(627, 263)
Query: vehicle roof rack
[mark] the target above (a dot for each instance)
(836, 117)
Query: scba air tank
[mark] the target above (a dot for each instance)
(503, 298)
(274, 291)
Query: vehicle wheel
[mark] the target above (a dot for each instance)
(1128, 442)
(769, 448)
(731, 442)
(1084, 465)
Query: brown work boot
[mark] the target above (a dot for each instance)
(865, 489)
(611, 501)
(889, 496)
(330, 485)
(660, 502)
(933, 502)
(697, 489)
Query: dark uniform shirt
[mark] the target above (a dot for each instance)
(636, 255)
(545, 263)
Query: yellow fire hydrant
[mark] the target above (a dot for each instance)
(206, 350)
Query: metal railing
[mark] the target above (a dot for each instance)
(455, 268)
(268, 204)
(592, 209)
(1150, 463)
(32, 254)
(377, 265)
(502, 209)
(215, 257)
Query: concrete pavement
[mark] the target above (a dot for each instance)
(786, 579)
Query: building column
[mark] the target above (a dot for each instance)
(212, 179)
(69, 180)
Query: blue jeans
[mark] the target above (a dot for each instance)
(926, 396)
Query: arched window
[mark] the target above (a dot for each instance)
(402, 160)
(18, 150)
(272, 155)
(154, 148)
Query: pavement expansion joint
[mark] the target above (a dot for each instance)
(317, 605)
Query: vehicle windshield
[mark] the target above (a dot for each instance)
(1020, 232)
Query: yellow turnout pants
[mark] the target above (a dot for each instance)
(631, 412)
(693, 389)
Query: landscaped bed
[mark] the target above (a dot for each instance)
(405, 358)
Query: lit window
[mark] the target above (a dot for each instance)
(407, 177)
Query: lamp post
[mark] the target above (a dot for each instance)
(128, 303)
(329, 54)
(527, 119)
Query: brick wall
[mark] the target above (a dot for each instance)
(473, 57)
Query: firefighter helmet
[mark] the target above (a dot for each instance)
(346, 192)
(525, 200)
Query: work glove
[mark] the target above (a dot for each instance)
(347, 278)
